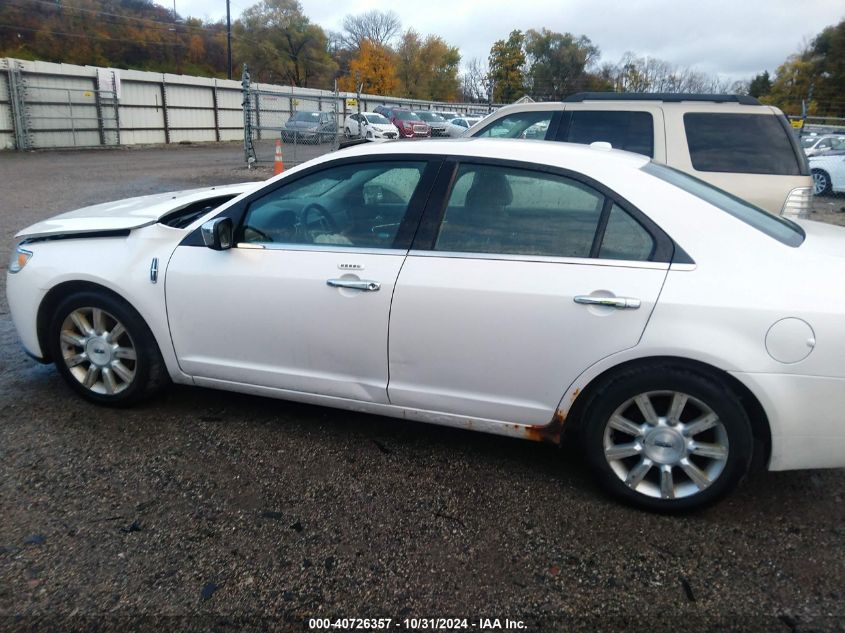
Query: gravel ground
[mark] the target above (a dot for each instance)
(207, 511)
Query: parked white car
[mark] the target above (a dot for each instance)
(816, 145)
(457, 127)
(523, 288)
(370, 125)
(828, 173)
(449, 115)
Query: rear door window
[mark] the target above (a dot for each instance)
(519, 212)
(629, 130)
(740, 143)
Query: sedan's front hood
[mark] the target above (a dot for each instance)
(129, 213)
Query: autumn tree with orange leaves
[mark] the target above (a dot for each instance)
(375, 67)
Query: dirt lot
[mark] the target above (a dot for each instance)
(213, 511)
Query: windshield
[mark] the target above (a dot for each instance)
(781, 229)
(431, 117)
(406, 116)
(808, 141)
(306, 116)
(377, 119)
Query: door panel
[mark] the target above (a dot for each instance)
(302, 303)
(267, 317)
(503, 339)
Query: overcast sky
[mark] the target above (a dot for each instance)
(733, 38)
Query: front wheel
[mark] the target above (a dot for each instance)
(821, 183)
(104, 350)
(667, 439)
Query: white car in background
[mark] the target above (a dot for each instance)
(828, 172)
(530, 289)
(456, 127)
(816, 145)
(448, 115)
(370, 125)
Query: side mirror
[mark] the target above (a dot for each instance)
(217, 234)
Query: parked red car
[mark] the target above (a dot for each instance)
(409, 124)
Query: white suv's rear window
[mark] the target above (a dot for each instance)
(740, 143)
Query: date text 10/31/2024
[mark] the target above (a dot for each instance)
(415, 624)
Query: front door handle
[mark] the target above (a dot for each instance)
(355, 284)
(622, 303)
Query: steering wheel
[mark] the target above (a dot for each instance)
(262, 236)
(324, 219)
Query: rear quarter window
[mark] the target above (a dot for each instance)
(629, 130)
(741, 143)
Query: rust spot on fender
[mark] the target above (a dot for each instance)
(575, 394)
(550, 432)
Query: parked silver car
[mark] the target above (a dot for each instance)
(310, 127)
(459, 125)
(436, 122)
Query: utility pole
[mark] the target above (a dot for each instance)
(229, 39)
(176, 42)
(359, 87)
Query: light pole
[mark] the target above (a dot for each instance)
(228, 39)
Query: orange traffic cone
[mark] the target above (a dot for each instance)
(278, 163)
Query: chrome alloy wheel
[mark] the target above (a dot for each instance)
(820, 183)
(98, 350)
(666, 444)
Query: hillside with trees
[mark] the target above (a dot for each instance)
(373, 50)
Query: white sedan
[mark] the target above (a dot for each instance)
(457, 127)
(828, 173)
(817, 145)
(369, 125)
(535, 290)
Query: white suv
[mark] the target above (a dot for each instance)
(730, 141)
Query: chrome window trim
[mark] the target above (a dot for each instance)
(320, 248)
(683, 267)
(580, 261)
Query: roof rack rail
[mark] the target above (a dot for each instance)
(660, 96)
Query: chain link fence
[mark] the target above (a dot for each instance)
(305, 121)
(47, 105)
(311, 122)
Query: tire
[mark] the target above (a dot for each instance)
(369, 135)
(102, 368)
(821, 182)
(685, 458)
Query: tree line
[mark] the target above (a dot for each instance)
(373, 52)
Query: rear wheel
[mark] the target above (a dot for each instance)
(667, 439)
(821, 182)
(104, 350)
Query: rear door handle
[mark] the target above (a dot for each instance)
(622, 303)
(355, 284)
